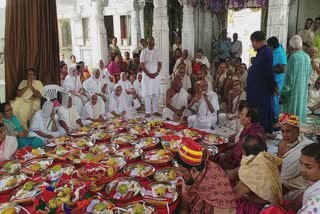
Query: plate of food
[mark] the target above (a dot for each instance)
(123, 189)
(59, 141)
(101, 207)
(97, 172)
(104, 148)
(27, 192)
(159, 194)
(169, 174)
(83, 131)
(101, 136)
(155, 123)
(79, 157)
(138, 170)
(116, 161)
(139, 120)
(130, 153)
(36, 166)
(138, 207)
(98, 125)
(60, 153)
(171, 142)
(123, 138)
(194, 135)
(213, 139)
(53, 173)
(157, 157)
(81, 143)
(8, 167)
(28, 153)
(159, 132)
(116, 126)
(11, 181)
(138, 129)
(9, 208)
(146, 143)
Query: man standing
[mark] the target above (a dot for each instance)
(150, 85)
(294, 95)
(260, 83)
(236, 47)
(316, 30)
(279, 67)
(208, 106)
(223, 46)
(307, 34)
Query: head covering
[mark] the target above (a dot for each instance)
(46, 109)
(71, 68)
(139, 74)
(191, 152)
(289, 119)
(94, 71)
(65, 101)
(121, 75)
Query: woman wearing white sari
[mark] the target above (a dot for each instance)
(118, 106)
(137, 86)
(44, 123)
(129, 90)
(73, 85)
(92, 111)
(69, 118)
(107, 78)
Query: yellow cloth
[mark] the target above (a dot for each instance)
(23, 107)
(260, 174)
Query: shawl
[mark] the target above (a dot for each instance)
(41, 119)
(8, 148)
(118, 104)
(72, 82)
(28, 93)
(68, 115)
(260, 174)
(93, 85)
(92, 111)
(137, 85)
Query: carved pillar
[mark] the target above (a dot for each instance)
(188, 30)
(98, 33)
(135, 24)
(77, 36)
(277, 24)
(160, 32)
(141, 17)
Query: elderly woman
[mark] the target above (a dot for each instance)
(69, 118)
(44, 123)
(8, 145)
(127, 87)
(92, 110)
(13, 123)
(72, 84)
(28, 95)
(118, 106)
(185, 78)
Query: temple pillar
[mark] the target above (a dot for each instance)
(141, 17)
(160, 32)
(188, 30)
(277, 25)
(98, 33)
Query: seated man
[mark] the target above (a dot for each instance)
(310, 170)
(185, 78)
(205, 188)
(290, 150)
(249, 119)
(259, 182)
(176, 102)
(314, 97)
(206, 76)
(208, 105)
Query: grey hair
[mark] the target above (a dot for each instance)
(296, 42)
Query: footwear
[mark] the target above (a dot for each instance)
(157, 114)
(147, 115)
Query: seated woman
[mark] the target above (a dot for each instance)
(118, 106)
(44, 123)
(8, 145)
(8, 129)
(13, 123)
(137, 85)
(130, 92)
(69, 118)
(72, 84)
(115, 68)
(134, 64)
(92, 110)
(259, 180)
(314, 97)
(29, 94)
(186, 81)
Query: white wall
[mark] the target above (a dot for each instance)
(2, 29)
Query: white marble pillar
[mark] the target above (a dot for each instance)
(188, 30)
(207, 33)
(141, 18)
(135, 24)
(77, 36)
(160, 32)
(277, 24)
(98, 33)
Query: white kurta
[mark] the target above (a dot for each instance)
(118, 104)
(177, 101)
(74, 84)
(188, 64)
(150, 86)
(204, 119)
(236, 48)
(203, 60)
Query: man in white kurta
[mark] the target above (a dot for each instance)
(208, 105)
(150, 85)
(176, 102)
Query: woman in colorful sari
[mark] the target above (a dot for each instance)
(13, 123)
(72, 84)
(118, 106)
(29, 94)
(8, 145)
(93, 111)
(310, 170)
(69, 118)
(115, 68)
(44, 123)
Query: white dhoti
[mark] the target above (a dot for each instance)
(177, 101)
(225, 121)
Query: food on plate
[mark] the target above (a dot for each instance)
(138, 209)
(88, 156)
(63, 197)
(81, 143)
(9, 210)
(61, 151)
(8, 182)
(35, 152)
(110, 172)
(104, 207)
(28, 186)
(129, 153)
(111, 161)
(191, 134)
(161, 152)
(118, 162)
(124, 138)
(56, 168)
(11, 182)
(160, 191)
(35, 166)
(55, 172)
(8, 165)
(214, 139)
(122, 188)
(157, 156)
(104, 148)
(138, 170)
(172, 175)
(146, 143)
(84, 129)
(99, 207)
(154, 123)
